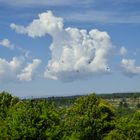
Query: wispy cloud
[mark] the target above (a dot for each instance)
(62, 2)
(124, 1)
(123, 51)
(43, 2)
(96, 16)
(90, 11)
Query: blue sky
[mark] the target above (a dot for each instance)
(29, 68)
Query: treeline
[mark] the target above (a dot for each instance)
(68, 100)
(120, 95)
(59, 101)
(85, 118)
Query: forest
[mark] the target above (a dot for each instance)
(90, 117)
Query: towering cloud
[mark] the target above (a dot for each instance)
(129, 67)
(76, 53)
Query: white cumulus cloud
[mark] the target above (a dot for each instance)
(76, 53)
(9, 69)
(6, 43)
(29, 70)
(15, 70)
(129, 67)
(46, 23)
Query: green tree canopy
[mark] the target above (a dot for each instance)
(126, 128)
(89, 118)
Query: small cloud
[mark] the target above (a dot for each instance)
(123, 51)
(129, 68)
(17, 69)
(6, 43)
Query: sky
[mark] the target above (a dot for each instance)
(63, 48)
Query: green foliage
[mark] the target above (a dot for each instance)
(89, 118)
(127, 128)
(31, 120)
(83, 118)
(6, 101)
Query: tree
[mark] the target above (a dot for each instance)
(31, 120)
(126, 128)
(89, 118)
(6, 101)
